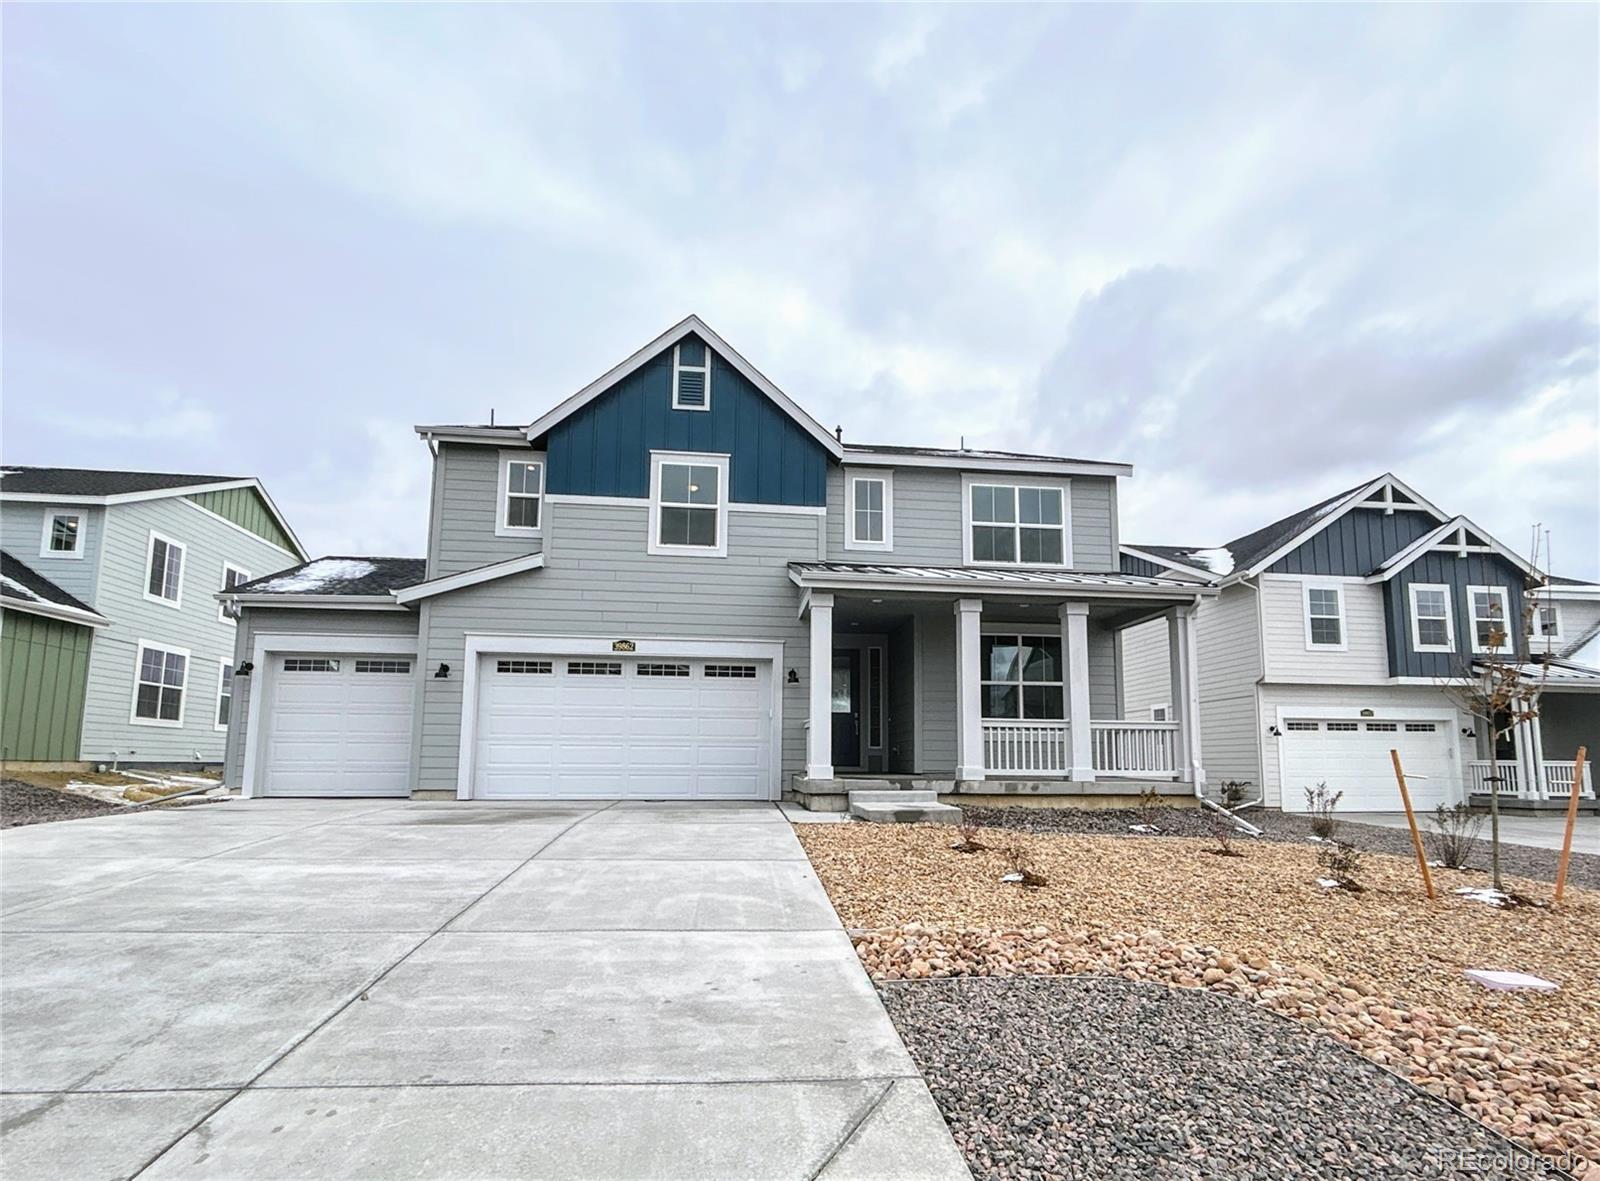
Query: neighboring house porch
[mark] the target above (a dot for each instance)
(1537, 763)
(987, 678)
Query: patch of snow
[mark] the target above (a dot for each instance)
(1012, 877)
(1484, 895)
(318, 575)
(1316, 840)
(1148, 829)
(1328, 883)
(1506, 981)
(17, 591)
(1218, 561)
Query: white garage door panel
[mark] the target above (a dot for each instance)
(569, 734)
(334, 731)
(1353, 757)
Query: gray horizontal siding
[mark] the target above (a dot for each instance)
(21, 535)
(1228, 666)
(466, 491)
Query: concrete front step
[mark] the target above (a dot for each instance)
(910, 795)
(886, 813)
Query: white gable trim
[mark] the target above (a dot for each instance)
(1134, 551)
(1450, 537)
(696, 326)
(479, 574)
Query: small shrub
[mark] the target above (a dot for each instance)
(1150, 805)
(1342, 863)
(1322, 803)
(1233, 792)
(1223, 832)
(1455, 835)
(968, 843)
(1020, 859)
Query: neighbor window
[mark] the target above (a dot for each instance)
(869, 511)
(1546, 621)
(1491, 619)
(63, 535)
(691, 376)
(1160, 713)
(232, 576)
(1017, 524)
(521, 494)
(164, 573)
(162, 676)
(1022, 677)
(1324, 617)
(688, 503)
(224, 693)
(1431, 628)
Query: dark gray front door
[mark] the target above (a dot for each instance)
(847, 708)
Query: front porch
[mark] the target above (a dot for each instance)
(1537, 767)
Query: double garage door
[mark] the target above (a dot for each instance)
(606, 727)
(1352, 756)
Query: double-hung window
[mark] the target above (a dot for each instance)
(1324, 617)
(160, 677)
(164, 571)
(1022, 677)
(1546, 621)
(232, 576)
(688, 504)
(224, 694)
(1016, 524)
(1491, 619)
(521, 507)
(63, 534)
(1432, 629)
(869, 511)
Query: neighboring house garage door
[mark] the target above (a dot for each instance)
(339, 726)
(1353, 757)
(557, 727)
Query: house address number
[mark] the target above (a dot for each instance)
(623, 646)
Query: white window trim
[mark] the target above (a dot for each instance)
(1018, 631)
(183, 568)
(886, 478)
(1305, 604)
(1449, 618)
(183, 690)
(50, 516)
(1509, 648)
(1165, 712)
(1555, 637)
(222, 672)
(678, 366)
(222, 608)
(503, 494)
(703, 459)
(968, 479)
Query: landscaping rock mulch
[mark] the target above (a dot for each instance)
(29, 803)
(1104, 1078)
(1519, 861)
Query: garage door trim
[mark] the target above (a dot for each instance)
(479, 645)
(270, 644)
(1444, 715)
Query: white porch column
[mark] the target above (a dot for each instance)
(969, 689)
(1075, 651)
(1185, 694)
(1527, 776)
(819, 733)
(1541, 774)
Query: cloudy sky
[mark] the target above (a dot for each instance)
(1260, 252)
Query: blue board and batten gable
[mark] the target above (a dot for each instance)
(1356, 544)
(603, 448)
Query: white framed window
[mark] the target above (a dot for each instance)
(163, 582)
(1432, 624)
(232, 576)
(160, 679)
(1490, 608)
(63, 534)
(1546, 620)
(688, 503)
(519, 511)
(868, 510)
(1015, 524)
(1161, 713)
(691, 375)
(1324, 603)
(224, 694)
(1022, 677)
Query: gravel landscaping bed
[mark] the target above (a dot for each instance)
(29, 803)
(1520, 861)
(1191, 1085)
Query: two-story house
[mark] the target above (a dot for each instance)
(113, 648)
(1335, 638)
(677, 584)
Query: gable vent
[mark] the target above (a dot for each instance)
(691, 376)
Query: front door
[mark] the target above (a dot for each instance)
(847, 708)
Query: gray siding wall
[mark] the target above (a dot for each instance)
(1146, 669)
(1289, 658)
(195, 626)
(927, 519)
(22, 530)
(1577, 617)
(466, 499)
(1228, 666)
(258, 621)
(936, 658)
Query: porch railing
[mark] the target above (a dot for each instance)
(1481, 771)
(1558, 778)
(1136, 749)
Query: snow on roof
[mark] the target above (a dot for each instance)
(17, 590)
(1219, 560)
(321, 574)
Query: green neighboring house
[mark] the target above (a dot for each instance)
(113, 645)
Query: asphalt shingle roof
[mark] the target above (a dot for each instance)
(76, 481)
(968, 453)
(20, 581)
(337, 575)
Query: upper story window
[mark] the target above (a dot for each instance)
(1546, 621)
(224, 694)
(1432, 629)
(1016, 524)
(63, 534)
(521, 507)
(1022, 677)
(688, 503)
(691, 376)
(1491, 619)
(1325, 617)
(164, 571)
(232, 576)
(869, 511)
(161, 676)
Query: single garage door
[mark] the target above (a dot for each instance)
(339, 726)
(626, 727)
(1353, 757)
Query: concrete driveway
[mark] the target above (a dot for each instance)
(277, 988)
(1541, 830)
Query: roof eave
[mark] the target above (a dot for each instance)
(835, 580)
(865, 457)
(54, 611)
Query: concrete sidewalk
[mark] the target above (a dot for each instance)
(1540, 830)
(269, 989)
